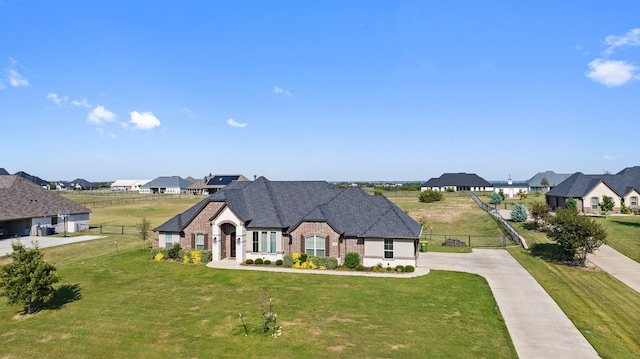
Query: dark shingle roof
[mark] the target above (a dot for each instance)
(579, 184)
(21, 198)
(457, 179)
(285, 204)
(553, 178)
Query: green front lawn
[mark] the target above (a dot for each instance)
(125, 305)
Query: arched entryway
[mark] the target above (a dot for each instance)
(228, 240)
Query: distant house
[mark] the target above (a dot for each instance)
(457, 182)
(128, 185)
(270, 219)
(26, 208)
(545, 181)
(213, 183)
(511, 189)
(169, 185)
(588, 190)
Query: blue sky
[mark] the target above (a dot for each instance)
(329, 90)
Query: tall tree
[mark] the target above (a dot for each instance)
(607, 204)
(572, 204)
(28, 280)
(143, 229)
(496, 198)
(544, 182)
(576, 235)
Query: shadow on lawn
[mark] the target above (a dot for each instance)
(64, 295)
(549, 252)
(629, 224)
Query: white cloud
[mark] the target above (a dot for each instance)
(16, 80)
(631, 38)
(144, 121)
(100, 115)
(611, 73)
(607, 157)
(281, 91)
(231, 122)
(80, 103)
(56, 99)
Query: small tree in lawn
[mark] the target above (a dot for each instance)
(144, 228)
(607, 204)
(28, 280)
(572, 204)
(575, 234)
(539, 212)
(518, 213)
(496, 198)
(544, 182)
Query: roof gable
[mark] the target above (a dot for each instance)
(457, 179)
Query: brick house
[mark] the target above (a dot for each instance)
(270, 219)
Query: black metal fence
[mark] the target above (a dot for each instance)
(513, 235)
(466, 240)
(117, 229)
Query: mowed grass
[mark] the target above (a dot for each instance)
(604, 309)
(623, 234)
(457, 216)
(119, 303)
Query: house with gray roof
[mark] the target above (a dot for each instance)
(166, 184)
(270, 219)
(588, 190)
(213, 183)
(545, 181)
(26, 208)
(457, 182)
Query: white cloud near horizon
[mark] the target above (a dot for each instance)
(80, 103)
(280, 91)
(613, 73)
(231, 122)
(14, 78)
(144, 120)
(100, 115)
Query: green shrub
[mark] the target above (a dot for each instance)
(155, 251)
(326, 262)
(303, 257)
(400, 268)
(375, 269)
(496, 198)
(430, 195)
(359, 267)
(174, 252)
(267, 261)
(409, 269)
(351, 260)
(287, 261)
(249, 261)
(450, 189)
(207, 256)
(279, 262)
(389, 269)
(378, 192)
(258, 261)
(519, 213)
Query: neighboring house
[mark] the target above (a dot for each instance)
(457, 182)
(171, 184)
(212, 183)
(270, 219)
(128, 185)
(511, 189)
(588, 190)
(545, 181)
(25, 208)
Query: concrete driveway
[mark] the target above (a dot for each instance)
(618, 265)
(538, 327)
(43, 242)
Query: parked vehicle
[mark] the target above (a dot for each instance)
(4, 232)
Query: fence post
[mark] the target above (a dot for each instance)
(469, 241)
(100, 229)
(121, 229)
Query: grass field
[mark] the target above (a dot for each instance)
(623, 234)
(601, 307)
(121, 304)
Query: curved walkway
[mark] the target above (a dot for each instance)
(538, 327)
(618, 265)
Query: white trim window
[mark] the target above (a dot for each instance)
(314, 246)
(168, 239)
(272, 242)
(388, 249)
(634, 201)
(594, 203)
(255, 248)
(264, 244)
(200, 241)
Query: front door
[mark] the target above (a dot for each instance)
(232, 245)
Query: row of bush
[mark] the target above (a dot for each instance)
(260, 261)
(176, 253)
